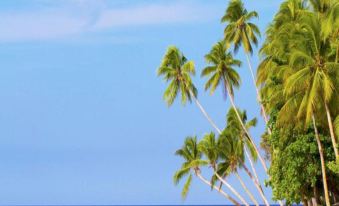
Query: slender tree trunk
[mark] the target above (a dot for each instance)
(333, 138)
(205, 113)
(232, 189)
(255, 178)
(246, 189)
(316, 198)
(323, 167)
(256, 185)
(260, 103)
(219, 132)
(312, 202)
(243, 126)
(305, 203)
(252, 166)
(257, 91)
(216, 188)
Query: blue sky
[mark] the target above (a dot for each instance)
(82, 120)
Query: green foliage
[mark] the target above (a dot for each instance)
(192, 160)
(239, 30)
(295, 168)
(177, 70)
(221, 69)
(334, 167)
(298, 78)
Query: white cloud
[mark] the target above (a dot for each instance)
(153, 15)
(56, 21)
(38, 26)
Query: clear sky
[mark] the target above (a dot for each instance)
(82, 120)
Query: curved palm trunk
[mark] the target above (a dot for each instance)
(256, 185)
(246, 189)
(257, 91)
(232, 189)
(333, 138)
(243, 126)
(216, 188)
(260, 103)
(323, 168)
(205, 113)
(252, 167)
(219, 132)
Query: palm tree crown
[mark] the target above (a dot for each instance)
(192, 157)
(240, 31)
(221, 69)
(178, 70)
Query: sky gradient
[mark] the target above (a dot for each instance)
(82, 120)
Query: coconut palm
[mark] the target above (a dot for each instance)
(315, 75)
(222, 72)
(232, 158)
(234, 129)
(192, 156)
(208, 146)
(178, 70)
(241, 32)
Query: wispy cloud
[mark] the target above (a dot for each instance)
(154, 14)
(55, 21)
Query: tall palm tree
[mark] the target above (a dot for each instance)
(315, 74)
(192, 156)
(234, 129)
(178, 70)
(222, 72)
(314, 80)
(208, 146)
(275, 52)
(232, 158)
(240, 31)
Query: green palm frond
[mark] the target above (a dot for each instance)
(186, 187)
(336, 125)
(178, 70)
(180, 174)
(221, 69)
(239, 30)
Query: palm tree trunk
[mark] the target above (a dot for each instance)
(252, 166)
(216, 188)
(232, 189)
(323, 168)
(257, 91)
(333, 138)
(260, 103)
(209, 119)
(256, 185)
(246, 189)
(219, 132)
(243, 126)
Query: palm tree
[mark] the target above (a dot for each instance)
(234, 129)
(311, 86)
(192, 156)
(232, 156)
(316, 75)
(240, 31)
(178, 70)
(221, 71)
(208, 146)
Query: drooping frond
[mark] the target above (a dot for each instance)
(186, 187)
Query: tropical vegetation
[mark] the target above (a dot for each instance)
(297, 88)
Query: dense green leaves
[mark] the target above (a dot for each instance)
(298, 79)
(177, 69)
